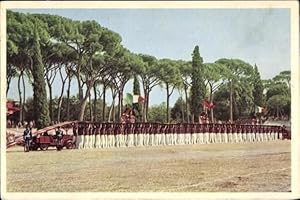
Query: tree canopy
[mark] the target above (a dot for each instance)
(43, 47)
(198, 89)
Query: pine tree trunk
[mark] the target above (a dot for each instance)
(95, 104)
(51, 103)
(59, 109)
(83, 103)
(168, 97)
(212, 109)
(7, 85)
(147, 106)
(24, 97)
(80, 89)
(82, 108)
(20, 96)
(113, 113)
(186, 105)
(231, 99)
(104, 102)
(137, 107)
(90, 107)
(60, 100)
(146, 109)
(50, 99)
(68, 99)
(121, 103)
(182, 110)
(111, 110)
(211, 100)
(120, 106)
(8, 80)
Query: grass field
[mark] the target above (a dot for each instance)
(242, 167)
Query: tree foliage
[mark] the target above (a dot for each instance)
(137, 107)
(258, 88)
(43, 47)
(198, 88)
(185, 69)
(215, 75)
(278, 95)
(178, 112)
(148, 72)
(169, 76)
(240, 92)
(157, 113)
(41, 111)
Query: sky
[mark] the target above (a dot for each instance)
(257, 36)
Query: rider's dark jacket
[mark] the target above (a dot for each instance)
(59, 134)
(27, 134)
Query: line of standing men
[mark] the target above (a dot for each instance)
(103, 135)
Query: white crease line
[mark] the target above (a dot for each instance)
(230, 177)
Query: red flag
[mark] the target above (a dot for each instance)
(137, 99)
(141, 99)
(259, 109)
(208, 104)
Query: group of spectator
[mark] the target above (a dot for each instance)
(18, 124)
(10, 123)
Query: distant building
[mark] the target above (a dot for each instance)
(12, 108)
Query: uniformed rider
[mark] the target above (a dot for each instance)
(27, 135)
(59, 135)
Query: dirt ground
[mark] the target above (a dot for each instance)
(242, 167)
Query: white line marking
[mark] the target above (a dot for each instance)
(230, 177)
